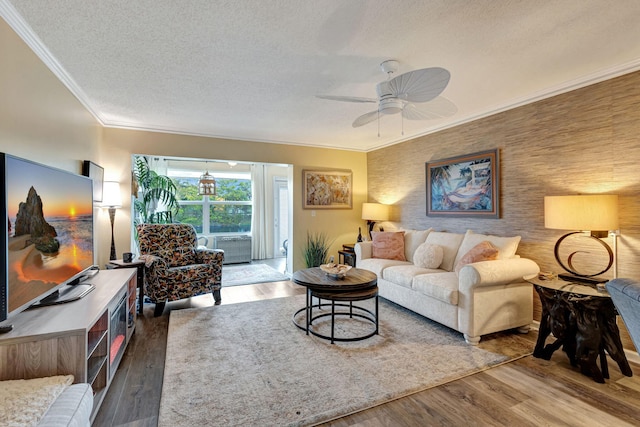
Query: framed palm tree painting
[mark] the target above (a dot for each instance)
(464, 186)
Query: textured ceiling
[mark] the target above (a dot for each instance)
(251, 69)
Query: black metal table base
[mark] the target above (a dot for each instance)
(354, 311)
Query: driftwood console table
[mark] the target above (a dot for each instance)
(582, 319)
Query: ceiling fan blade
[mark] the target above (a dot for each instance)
(437, 108)
(365, 118)
(420, 85)
(346, 98)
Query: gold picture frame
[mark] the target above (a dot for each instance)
(327, 189)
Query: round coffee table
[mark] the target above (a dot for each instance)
(357, 285)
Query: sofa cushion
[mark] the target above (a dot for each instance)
(378, 265)
(388, 245)
(442, 286)
(483, 251)
(413, 239)
(507, 246)
(403, 274)
(450, 243)
(428, 256)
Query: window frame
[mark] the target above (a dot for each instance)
(207, 203)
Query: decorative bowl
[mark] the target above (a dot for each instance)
(335, 271)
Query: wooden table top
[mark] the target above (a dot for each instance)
(120, 263)
(317, 280)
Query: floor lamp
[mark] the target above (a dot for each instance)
(596, 216)
(112, 199)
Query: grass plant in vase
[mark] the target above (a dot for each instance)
(316, 250)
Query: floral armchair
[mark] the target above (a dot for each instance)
(174, 266)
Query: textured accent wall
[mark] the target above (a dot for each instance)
(584, 141)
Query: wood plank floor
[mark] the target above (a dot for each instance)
(527, 392)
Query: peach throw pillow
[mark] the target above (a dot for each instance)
(483, 251)
(388, 245)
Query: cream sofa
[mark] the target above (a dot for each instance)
(482, 298)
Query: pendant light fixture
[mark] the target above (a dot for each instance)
(207, 184)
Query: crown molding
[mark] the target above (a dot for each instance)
(25, 32)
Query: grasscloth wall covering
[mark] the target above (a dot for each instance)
(585, 141)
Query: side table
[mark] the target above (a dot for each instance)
(582, 318)
(138, 264)
(347, 255)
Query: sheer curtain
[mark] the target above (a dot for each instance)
(259, 226)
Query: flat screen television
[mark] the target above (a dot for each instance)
(48, 244)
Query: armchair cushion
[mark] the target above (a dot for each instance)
(178, 257)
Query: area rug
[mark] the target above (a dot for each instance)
(247, 364)
(249, 274)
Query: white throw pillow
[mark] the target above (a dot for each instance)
(428, 256)
(413, 239)
(450, 243)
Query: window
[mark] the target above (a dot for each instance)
(229, 211)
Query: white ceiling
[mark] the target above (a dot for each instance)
(251, 69)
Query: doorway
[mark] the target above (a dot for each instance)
(281, 216)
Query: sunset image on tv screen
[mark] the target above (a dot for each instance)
(50, 228)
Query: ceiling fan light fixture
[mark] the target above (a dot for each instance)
(390, 106)
(398, 95)
(390, 66)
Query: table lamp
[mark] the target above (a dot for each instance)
(112, 199)
(595, 215)
(373, 212)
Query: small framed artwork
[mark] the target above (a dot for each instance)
(96, 173)
(327, 189)
(464, 186)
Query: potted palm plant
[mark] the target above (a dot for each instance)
(316, 250)
(154, 190)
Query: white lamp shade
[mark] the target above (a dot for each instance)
(593, 212)
(375, 212)
(111, 197)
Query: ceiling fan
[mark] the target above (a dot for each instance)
(400, 94)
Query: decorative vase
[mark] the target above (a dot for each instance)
(359, 235)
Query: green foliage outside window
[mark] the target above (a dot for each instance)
(223, 217)
(191, 214)
(187, 189)
(230, 218)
